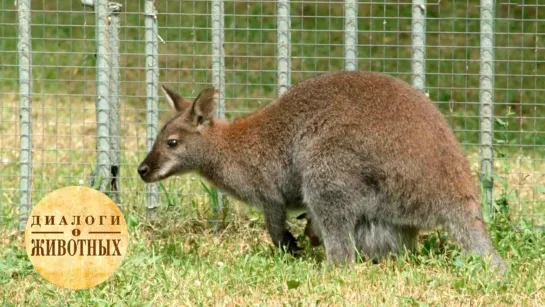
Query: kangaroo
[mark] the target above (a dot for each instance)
(342, 146)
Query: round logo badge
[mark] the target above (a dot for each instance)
(76, 237)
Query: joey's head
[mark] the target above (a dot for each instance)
(178, 144)
(310, 231)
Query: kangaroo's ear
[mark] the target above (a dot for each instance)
(176, 101)
(204, 106)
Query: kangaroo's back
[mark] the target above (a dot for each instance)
(404, 139)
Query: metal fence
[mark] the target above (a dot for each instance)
(79, 82)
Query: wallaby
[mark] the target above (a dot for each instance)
(342, 146)
(374, 239)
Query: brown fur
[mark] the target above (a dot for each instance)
(345, 146)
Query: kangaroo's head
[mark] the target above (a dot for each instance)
(178, 144)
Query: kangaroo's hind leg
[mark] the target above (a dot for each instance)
(377, 239)
(373, 238)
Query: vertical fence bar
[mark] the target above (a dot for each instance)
(25, 103)
(284, 46)
(115, 120)
(218, 54)
(218, 67)
(418, 63)
(486, 100)
(152, 84)
(350, 35)
(100, 179)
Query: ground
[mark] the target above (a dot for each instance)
(183, 261)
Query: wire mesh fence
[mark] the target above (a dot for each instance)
(482, 63)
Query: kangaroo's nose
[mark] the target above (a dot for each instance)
(143, 169)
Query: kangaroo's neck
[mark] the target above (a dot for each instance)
(234, 155)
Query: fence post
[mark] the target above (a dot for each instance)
(218, 68)
(25, 104)
(350, 35)
(284, 46)
(100, 179)
(486, 100)
(419, 44)
(115, 120)
(152, 84)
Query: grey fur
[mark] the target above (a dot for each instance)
(374, 239)
(377, 239)
(342, 145)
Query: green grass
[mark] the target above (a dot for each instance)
(184, 260)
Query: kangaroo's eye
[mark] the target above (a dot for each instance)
(172, 143)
